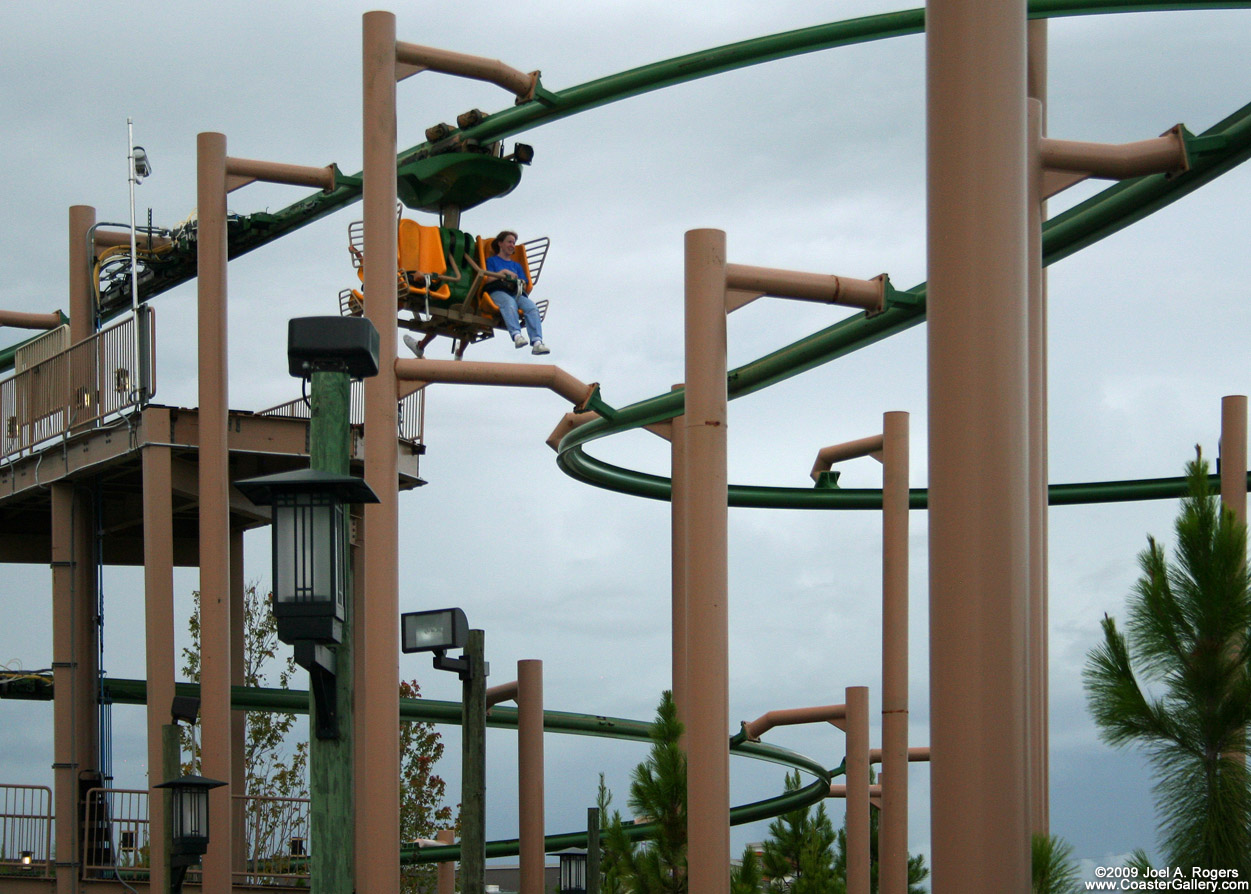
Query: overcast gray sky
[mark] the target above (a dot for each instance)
(814, 163)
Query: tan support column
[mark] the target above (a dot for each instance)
(858, 843)
(215, 597)
(677, 513)
(238, 718)
(158, 602)
(377, 863)
(81, 301)
(707, 742)
(893, 831)
(978, 444)
(82, 370)
(530, 773)
(72, 724)
(1039, 659)
(447, 869)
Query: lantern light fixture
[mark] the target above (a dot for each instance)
(309, 527)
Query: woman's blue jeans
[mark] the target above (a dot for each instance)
(508, 305)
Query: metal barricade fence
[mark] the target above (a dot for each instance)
(100, 376)
(409, 420)
(117, 843)
(276, 831)
(26, 830)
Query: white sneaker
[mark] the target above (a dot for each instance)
(540, 348)
(414, 347)
(520, 340)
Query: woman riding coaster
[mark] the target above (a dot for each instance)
(510, 290)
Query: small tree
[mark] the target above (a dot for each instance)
(917, 871)
(1052, 867)
(1187, 637)
(272, 765)
(804, 855)
(658, 793)
(798, 855)
(276, 767)
(422, 811)
(614, 846)
(746, 877)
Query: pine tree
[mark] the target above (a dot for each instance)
(798, 855)
(1052, 867)
(804, 855)
(614, 846)
(747, 877)
(1186, 639)
(917, 871)
(657, 794)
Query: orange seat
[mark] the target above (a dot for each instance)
(420, 260)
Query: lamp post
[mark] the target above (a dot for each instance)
(189, 824)
(437, 631)
(312, 575)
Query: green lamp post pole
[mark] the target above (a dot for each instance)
(312, 576)
(473, 768)
(592, 850)
(331, 782)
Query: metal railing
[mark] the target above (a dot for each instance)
(116, 841)
(73, 389)
(275, 833)
(26, 830)
(410, 412)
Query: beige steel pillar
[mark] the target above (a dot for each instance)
(707, 743)
(857, 767)
(158, 601)
(893, 831)
(447, 870)
(1234, 454)
(75, 670)
(378, 814)
(1039, 661)
(215, 598)
(678, 522)
(530, 773)
(81, 386)
(978, 443)
(81, 301)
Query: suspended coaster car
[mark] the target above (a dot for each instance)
(442, 281)
(440, 273)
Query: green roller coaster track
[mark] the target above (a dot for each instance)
(294, 701)
(1211, 153)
